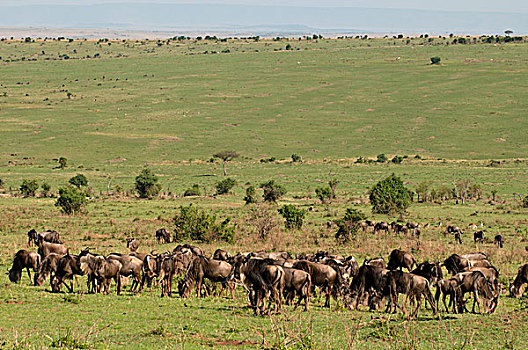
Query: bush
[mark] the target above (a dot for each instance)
(382, 158)
(272, 191)
(1, 183)
(63, 162)
(525, 202)
(349, 225)
(261, 218)
(294, 216)
(193, 191)
(435, 60)
(198, 225)
(147, 184)
(224, 186)
(29, 187)
(79, 180)
(251, 195)
(397, 159)
(296, 158)
(46, 188)
(71, 199)
(389, 196)
(324, 194)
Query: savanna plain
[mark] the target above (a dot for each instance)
(113, 107)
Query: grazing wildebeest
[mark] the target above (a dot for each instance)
(498, 241)
(455, 263)
(162, 235)
(399, 228)
(188, 248)
(381, 226)
(263, 280)
(221, 254)
(23, 259)
(475, 282)
(453, 229)
(368, 279)
(413, 227)
(431, 271)
(458, 238)
(69, 265)
(447, 286)
(323, 276)
(106, 270)
(151, 269)
(132, 244)
(45, 236)
(297, 282)
(478, 236)
(130, 266)
(171, 265)
(48, 267)
(516, 289)
(400, 259)
(379, 262)
(45, 248)
(200, 268)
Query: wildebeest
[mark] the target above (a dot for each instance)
(200, 268)
(499, 241)
(162, 235)
(399, 259)
(23, 259)
(475, 282)
(431, 271)
(130, 266)
(45, 248)
(221, 254)
(263, 279)
(478, 236)
(188, 248)
(453, 229)
(455, 263)
(516, 288)
(323, 276)
(105, 271)
(45, 236)
(151, 269)
(368, 280)
(379, 262)
(447, 286)
(458, 238)
(381, 226)
(399, 228)
(132, 244)
(48, 267)
(170, 266)
(69, 266)
(297, 283)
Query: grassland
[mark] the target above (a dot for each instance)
(172, 106)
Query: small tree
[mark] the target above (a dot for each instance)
(29, 187)
(294, 216)
(193, 191)
(333, 184)
(324, 194)
(226, 156)
(79, 180)
(71, 199)
(348, 226)
(389, 196)
(46, 188)
(435, 60)
(224, 186)
(296, 158)
(262, 219)
(196, 224)
(272, 191)
(382, 158)
(147, 184)
(63, 162)
(422, 191)
(251, 195)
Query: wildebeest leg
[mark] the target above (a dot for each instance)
(29, 274)
(118, 283)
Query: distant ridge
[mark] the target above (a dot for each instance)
(256, 19)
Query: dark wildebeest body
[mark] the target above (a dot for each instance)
(130, 266)
(431, 271)
(379, 262)
(516, 289)
(132, 244)
(171, 265)
(499, 241)
(188, 248)
(48, 267)
(69, 265)
(399, 259)
(478, 236)
(323, 276)
(297, 282)
(381, 226)
(45, 248)
(475, 282)
(50, 236)
(221, 254)
(151, 269)
(447, 286)
(368, 279)
(105, 271)
(216, 271)
(23, 259)
(163, 236)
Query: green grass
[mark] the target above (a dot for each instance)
(173, 106)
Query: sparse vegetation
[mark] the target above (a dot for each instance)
(225, 186)
(147, 184)
(28, 188)
(272, 191)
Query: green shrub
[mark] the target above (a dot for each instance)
(71, 199)
(397, 159)
(272, 191)
(147, 184)
(435, 60)
(195, 224)
(389, 196)
(382, 158)
(46, 189)
(525, 202)
(63, 162)
(296, 158)
(251, 195)
(294, 216)
(348, 226)
(79, 180)
(193, 191)
(29, 187)
(224, 186)
(324, 194)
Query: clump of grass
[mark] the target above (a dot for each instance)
(72, 298)
(159, 330)
(69, 341)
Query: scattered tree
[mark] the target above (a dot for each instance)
(382, 158)
(263, 220)
(348, 226)
(224, 186)
(29, 187)
(251, 195)
(71, 199)
(324, 194)
(296, 158)
(147, 184)
(272, 191)
(226, 156)
(79, 180)
(422, 191)
(389, 196)
(294, 216)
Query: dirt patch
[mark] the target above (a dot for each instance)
(235, 342)
(365, 128)
(500, 139)
(116, 160)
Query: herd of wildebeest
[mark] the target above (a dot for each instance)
(276, 277)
